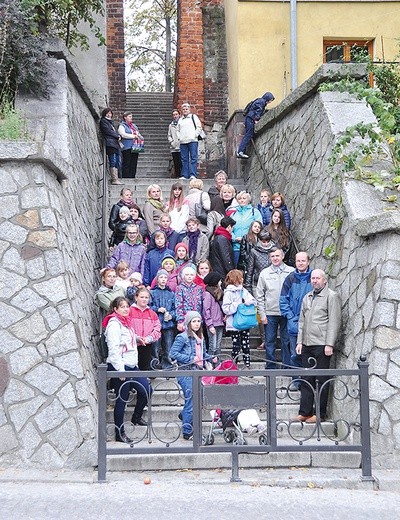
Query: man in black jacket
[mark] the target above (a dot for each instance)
(253, 115)
(221, 251)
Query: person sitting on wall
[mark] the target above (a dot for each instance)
(254, 114)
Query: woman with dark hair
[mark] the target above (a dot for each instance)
(178, 209)
(122, 343)
(279, 231)
(247, 244)
(278, 202)
(111, 139)
(130, 135)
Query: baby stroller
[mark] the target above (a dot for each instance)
(231, 423)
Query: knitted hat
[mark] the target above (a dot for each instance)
(168, 257)
(188, 269)
(181, 244)
(190, 316)
(137, 277)
(124, 209)
(160, 272)
(212, 279)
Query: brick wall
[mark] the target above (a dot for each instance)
(116, 56)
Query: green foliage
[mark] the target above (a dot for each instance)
(12, 125)
(61, 18)
(362, 145)
(151, 45)
(23, 60)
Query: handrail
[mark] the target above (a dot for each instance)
(270, 387)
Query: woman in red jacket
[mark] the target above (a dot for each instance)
(146, 325)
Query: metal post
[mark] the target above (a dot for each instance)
(366, 469)
(235, 467)
(293, 43)
(197, 429)
(102, 425)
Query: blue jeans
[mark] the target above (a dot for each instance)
(249, 132)
(122, 388)
(114, 160)
(186, 383)
(214, 342)
(161, 347)
(189, 153)
(271, 334)
(294, 358)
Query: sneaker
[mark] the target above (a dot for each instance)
(192, 177)
(182, 178)
(188, 436)
(241, 155)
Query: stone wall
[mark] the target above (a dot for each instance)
(49, 200)
(295, 142)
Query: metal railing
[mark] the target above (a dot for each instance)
(261, 390)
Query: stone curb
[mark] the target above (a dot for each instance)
(385, 480)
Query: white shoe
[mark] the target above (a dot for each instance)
(182, 178)
(241, 155)
(192, 177)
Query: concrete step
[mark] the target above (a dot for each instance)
(193, 461)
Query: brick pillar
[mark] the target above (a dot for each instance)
(189, 57)
(116, 56)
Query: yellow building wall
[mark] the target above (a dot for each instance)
(258, 41)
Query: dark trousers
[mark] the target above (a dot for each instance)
(176, 157)
(248, 135)
(129, 164)
(309, 390)
(122, 388)
(241, 341)
(144, 355)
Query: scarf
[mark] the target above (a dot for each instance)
(199, 349)
(158, 204)
(193, 241)
(127, 204)
(224, 232)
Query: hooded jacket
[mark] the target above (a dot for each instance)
(244, 216)
(134, 254)
(221, 252)
(294, 288)
(258, 106)
(233, 296)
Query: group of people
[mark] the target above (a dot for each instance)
(177, 273)
(124, 143)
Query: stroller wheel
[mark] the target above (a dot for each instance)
(229, 436)
(239, 441)
(209, 440)
(263, 440)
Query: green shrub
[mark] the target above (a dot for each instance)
(12, 125)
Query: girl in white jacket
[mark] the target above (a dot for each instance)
(234, 294)
(123, 355)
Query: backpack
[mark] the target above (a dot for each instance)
(246, 109)
(103, 347)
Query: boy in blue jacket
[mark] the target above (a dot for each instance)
(163, 303)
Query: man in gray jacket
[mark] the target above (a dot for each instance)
(319, 326)
(268, 292)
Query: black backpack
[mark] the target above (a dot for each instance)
(246, 109)
(103, 347)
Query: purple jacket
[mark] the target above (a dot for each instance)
(134, 254)
(212, 313)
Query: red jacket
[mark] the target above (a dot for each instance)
(145, 323)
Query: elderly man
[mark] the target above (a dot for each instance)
(294, 288)
(319, 326)
(188, 130)
(268, 292)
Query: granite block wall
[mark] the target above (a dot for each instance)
(49, 200)
(295, 142)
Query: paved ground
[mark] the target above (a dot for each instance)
(202, 495)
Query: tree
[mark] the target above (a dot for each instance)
(151, 44)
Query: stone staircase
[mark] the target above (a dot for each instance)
(166, 405)
(152, 113)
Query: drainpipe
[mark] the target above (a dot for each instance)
(293, 43)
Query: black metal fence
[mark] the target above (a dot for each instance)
(257, 389)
